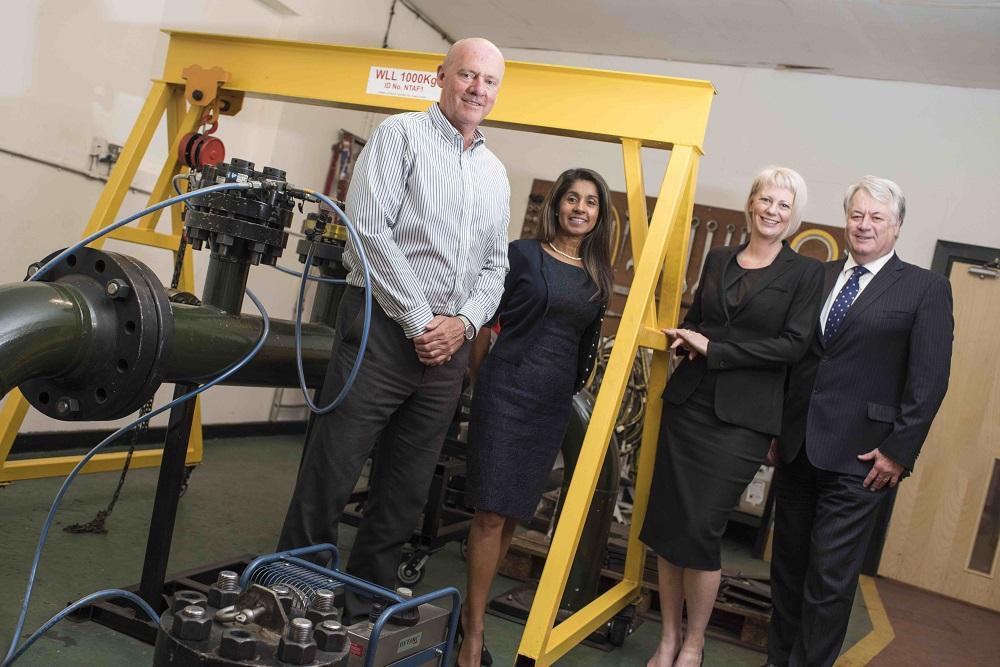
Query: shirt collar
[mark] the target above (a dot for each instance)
(449, 131)
(873, 267)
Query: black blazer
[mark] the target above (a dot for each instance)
(523, 305)
(751, 347)
(882, 378)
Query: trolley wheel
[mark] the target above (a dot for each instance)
(618, 631)
(463, 548)
(409, 574)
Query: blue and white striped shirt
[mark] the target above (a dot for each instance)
(433, 220)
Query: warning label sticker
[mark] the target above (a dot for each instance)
(403, 83)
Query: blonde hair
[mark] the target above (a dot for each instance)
(781, 177)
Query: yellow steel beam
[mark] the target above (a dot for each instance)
(536, 642)
(147, 238)
(671, 291)
(35, 468)
(171, 166)
(580, 625)
(637, 215)
(128, 162)
(568, 101)
(15, 407)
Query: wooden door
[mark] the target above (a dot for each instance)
(943, 532)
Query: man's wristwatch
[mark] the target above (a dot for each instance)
(470, 329)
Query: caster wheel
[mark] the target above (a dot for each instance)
(409, 575)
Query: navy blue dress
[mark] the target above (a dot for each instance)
(520, 411)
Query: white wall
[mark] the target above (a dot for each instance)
(78, 70)
(940, 143)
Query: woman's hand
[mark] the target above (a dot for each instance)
(692, 341)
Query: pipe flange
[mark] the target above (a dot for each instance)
(129, 312)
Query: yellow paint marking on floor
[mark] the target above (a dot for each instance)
(881, 633)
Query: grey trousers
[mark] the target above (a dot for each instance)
(396, 401)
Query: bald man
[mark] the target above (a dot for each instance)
(431, 204)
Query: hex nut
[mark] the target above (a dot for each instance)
(238, 644)
(186, 598)
(219, 598)
(330, 636)
(117, 289)
(285, 597)
(67, 406)
(317, 616)
(295, 652)
(192, 623)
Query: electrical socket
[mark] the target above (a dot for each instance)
(98, 147)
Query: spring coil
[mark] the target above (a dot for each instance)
(302, 582)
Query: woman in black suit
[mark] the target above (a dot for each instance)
(752, 316)
(550, 322)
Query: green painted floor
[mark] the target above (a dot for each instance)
(234, 505)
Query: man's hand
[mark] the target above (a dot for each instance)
(692, 341)
(772, 453)
(884, 470)
(441, 338)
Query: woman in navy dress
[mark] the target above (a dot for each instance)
(550, 323)
(753, 315)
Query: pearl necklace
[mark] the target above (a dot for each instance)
(564, 254)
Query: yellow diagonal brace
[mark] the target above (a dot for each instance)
(669, 307)
(638, 218)
(171, 166)
(124, 170)
(536, 642)
(147, 238)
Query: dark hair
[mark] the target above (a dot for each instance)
(595, 249)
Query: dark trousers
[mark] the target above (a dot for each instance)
(822, 523)
(397, 401)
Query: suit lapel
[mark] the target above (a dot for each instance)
(884, 279)
(781, 263)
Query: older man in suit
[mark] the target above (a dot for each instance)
(857, 411)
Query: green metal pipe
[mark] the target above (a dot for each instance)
(208, 340)
(44, 331)
(226, 282)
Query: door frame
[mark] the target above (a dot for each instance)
(946, 253)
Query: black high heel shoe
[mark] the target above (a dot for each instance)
(485, 659)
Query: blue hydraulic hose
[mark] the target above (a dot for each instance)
(319, 279)
(366, 272)
(89, 455)
(135, 216)
(82, 602)
(46, 526)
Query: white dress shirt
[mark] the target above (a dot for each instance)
(432, 216)
(873, 267)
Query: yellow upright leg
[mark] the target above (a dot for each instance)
(542, 644)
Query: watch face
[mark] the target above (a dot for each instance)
(470, 331)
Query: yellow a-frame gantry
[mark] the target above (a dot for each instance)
(635, 110)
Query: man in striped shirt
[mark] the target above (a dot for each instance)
(431, 204)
